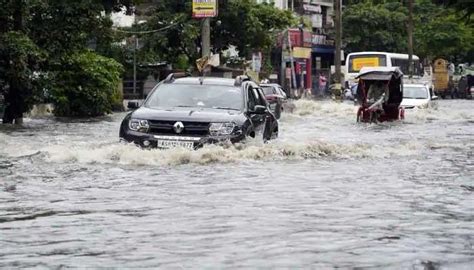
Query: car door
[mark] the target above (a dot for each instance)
(255, 97)
(269, 118)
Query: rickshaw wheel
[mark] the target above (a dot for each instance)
(373, 117)
(359, 114)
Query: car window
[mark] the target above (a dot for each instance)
(415, 92)
(260, 97)
(268, 90)
(252, 98)
(192, 95)
(282, 92)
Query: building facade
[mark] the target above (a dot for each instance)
(318, 14)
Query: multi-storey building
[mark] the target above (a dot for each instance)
(319, 15)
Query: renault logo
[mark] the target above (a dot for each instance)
(178, 127)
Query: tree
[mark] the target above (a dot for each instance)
(19, 57)
(438, 31)
(86, 86)
(368, 27)
(245, 24)
(36, 39)
(249, 26)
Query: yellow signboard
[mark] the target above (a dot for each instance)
(204, 8)
(300, 52)
(359, 63)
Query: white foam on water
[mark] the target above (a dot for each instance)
(276, 151)
(132, 155)
(439, 113)
(299, 141)
(306, 107)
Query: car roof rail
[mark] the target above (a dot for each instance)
(173, 76)
(241, 78)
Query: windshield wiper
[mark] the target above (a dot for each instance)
(183, 106)
(226, 108)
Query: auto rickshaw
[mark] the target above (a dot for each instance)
(386, 106)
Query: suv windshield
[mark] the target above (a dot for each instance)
(192, 95)
(415, 92)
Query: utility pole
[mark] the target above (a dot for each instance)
(337, 55)
(283, 62)
(135, 46)
(292, 64)
(410, 38)
(206, 37)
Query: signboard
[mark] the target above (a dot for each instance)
(319, 39)
(295, 37)
(316, 9)
(359, 63)
(204, 8)
(317, 20)
(299, 52)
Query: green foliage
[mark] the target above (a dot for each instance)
(244, 23)
(86, 86)
(19, 57)
(249, 26)
(368, 27)
(440, 33)
(39, 41)
(381, 26)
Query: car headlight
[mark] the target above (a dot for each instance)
(219, 129)
(138, 125)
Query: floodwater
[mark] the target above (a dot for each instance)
(329, 193)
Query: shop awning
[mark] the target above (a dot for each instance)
(321, 49)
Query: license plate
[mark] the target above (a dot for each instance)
(173, 144)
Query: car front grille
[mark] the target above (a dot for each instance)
(190, 128)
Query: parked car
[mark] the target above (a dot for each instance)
(192, 111)
(417, 96)
(276, 97)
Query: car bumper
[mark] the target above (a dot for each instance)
(163, 141)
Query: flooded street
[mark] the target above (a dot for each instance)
(329, 193)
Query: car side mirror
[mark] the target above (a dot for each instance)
(133, 105)
(434, 98)
(259, 109)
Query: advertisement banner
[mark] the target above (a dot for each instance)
(299, 52)
(359, 63)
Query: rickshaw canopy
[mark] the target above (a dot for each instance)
(379, 73)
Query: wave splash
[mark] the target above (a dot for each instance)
(132, 155)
